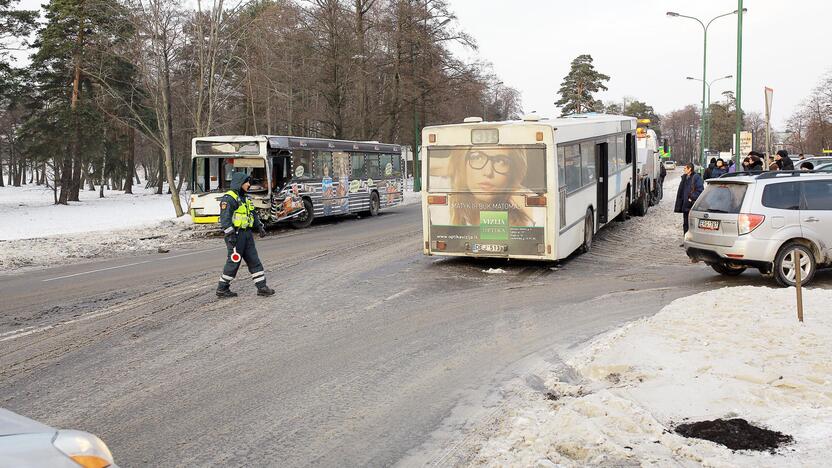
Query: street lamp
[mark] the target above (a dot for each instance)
(707, 132)
(705, 27)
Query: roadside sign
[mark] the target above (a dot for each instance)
(746, 142)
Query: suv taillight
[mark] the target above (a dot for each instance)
(749, 222)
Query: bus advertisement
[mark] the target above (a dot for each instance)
(533, 189)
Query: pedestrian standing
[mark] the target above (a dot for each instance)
(732, 168)
(237, 219)
(719, 170)
(689, 190)
(784, 162)
(709, 169)
(756, 162)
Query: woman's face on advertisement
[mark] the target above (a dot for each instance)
(486, 172)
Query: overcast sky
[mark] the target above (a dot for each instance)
(786, 46)
(647, 54)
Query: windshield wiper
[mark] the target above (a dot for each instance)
(717, 210)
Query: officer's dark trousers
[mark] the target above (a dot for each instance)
(246, 249)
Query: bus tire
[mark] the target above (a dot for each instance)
(304, 220)
(589, 231)
(625, 211)
(375, 204)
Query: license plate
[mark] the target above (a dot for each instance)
(709, 224)
(490, 248)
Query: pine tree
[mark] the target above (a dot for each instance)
(76, 39)
(576, 91)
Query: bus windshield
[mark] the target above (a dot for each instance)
(487, 169)
(214, 174)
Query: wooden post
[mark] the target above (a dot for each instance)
(797, 279)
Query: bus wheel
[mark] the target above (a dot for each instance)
(625, 212)
(589, 232)
(375, 204)
(305, 219)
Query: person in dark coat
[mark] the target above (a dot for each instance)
(237, 219)
(719, 170)
(756, 164)
(689, 190)
(784, 162)
(709, 169)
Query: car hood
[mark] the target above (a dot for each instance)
(13, 423)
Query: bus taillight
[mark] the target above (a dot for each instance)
(437, 199)
(535, 200)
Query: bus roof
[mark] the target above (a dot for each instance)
(293, 142)
(569, 128)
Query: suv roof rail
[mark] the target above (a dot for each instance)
(773, 174)
(739, 174)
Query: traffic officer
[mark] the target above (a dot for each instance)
(237, 218)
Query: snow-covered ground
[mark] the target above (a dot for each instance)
(36, 232)
(30, 211)
(729, 353)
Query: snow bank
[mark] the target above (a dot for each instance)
(30, 212)
(733, 352)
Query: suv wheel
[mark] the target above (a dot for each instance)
(728, 269)
(785, 268)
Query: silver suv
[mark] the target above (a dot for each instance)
(762, 221)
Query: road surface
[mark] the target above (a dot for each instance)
(366, 349)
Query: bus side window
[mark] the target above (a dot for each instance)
(561, 168)
(357, 163)
(323, 164)
(587, 163)
(383, 161)
(302, 158)
(573, 168)
(397, 164)
(620, 150)
(372, 166)
(611, 157)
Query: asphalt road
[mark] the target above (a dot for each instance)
(361, 358)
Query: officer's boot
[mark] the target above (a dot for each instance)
(224, 290)
(264, 290)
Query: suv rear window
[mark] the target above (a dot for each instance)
(782, 196)
(721, 198)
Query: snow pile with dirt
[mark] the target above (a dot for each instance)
(36, 232)
(730, 353)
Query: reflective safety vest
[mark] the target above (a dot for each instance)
(243, 217)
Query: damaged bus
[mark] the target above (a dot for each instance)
(296, 179)
(534, 189)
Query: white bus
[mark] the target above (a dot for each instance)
(533, 189)
(297, 179)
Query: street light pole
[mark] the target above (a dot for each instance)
(705, 27)
(738, 110)
(707, 134)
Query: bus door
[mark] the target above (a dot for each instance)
(601, 157)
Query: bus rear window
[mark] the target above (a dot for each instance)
(487, 169)
(721, 198)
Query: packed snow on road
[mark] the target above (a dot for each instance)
(731, 353)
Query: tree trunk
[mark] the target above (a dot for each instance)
(131, 161)
(1, 173)
(161, 175)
